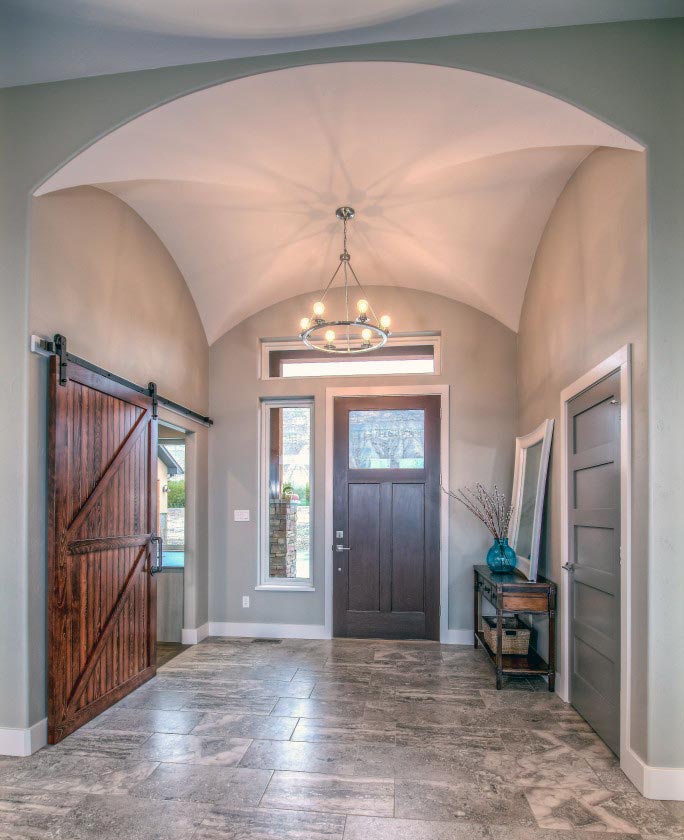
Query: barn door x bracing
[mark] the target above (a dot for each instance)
(101, 526)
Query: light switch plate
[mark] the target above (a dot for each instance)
(245, 601)
(241, 515)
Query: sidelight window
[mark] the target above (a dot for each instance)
(286, 494)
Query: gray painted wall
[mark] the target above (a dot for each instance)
(101, 276)
(629, 74)
(170, 606)
(585, 299)
(478, 362)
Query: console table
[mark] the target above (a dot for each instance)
(511, 592)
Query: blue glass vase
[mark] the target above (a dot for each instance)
(501, 557)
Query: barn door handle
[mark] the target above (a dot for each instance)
(160, 555)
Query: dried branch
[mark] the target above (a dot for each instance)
(490, 507)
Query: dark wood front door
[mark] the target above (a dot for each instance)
(386, 517)
(594, 567)
(102, 507)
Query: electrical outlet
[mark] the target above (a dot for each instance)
(245, 601)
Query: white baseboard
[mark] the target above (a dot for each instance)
(194, 635)
(653, 782)
(268, 631)
(247, 629)
(23, 742)
(458, 637)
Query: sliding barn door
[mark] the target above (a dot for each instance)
(101, 524)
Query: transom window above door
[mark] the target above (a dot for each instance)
(407, 356)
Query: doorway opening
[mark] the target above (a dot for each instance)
(407, 577)
(171, 526)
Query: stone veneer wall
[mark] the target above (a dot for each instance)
(282, 530)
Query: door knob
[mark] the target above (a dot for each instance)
(569, 567)
(342, 548)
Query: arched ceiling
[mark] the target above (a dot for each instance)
(453, 175)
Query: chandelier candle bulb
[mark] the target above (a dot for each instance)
(366, 335)
(385, 321)
(304, 323)
(318, 308)
(362, 306)
(330, 336)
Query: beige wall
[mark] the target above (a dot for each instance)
(101, 276)
(478, 362)
(586, 298)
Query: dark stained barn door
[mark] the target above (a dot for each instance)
(101, 521)
(386, 517)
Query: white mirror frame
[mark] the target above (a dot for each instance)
(543, 434)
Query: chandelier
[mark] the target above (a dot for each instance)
(361, 334)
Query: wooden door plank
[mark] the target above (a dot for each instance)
(120, 459)
(94, 650)
(93, 544)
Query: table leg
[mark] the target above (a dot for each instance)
(499, 648)
(552, 650)
(476, 610)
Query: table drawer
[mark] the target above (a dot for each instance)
(520, 602)
(488, 592)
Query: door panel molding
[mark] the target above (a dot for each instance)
(617, 362)
(446, 636)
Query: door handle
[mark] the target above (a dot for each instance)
(160, 555)
(569, 567)
(342, 548)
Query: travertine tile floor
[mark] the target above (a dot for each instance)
(299, 740)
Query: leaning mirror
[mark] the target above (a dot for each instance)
(529, 489)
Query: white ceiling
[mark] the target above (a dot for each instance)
(47, 40)
(453, 176)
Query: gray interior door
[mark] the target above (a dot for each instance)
(594, 519)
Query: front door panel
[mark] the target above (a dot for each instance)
(386, 517)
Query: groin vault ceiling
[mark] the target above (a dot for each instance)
(453, 175)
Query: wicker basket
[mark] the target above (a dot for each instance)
(515, 638)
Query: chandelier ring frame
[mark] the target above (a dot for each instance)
(321, 326)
